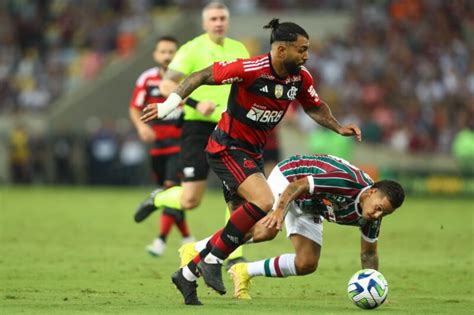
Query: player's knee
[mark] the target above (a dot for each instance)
(306, 265)
(264, 203)
(191, 202)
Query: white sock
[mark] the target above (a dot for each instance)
(200, 245)
(279, 266)
(188, 275)
(211, 259)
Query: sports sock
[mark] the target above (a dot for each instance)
(188, 274)
(183, 227)
(192, 265)
(279, 266)
(179, 219)
(170, 198)
(200, 245)
(166, 222)
(240, 222)
(238, 252)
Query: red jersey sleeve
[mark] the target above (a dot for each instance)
(139, 94)
(308, 97)
(228, 72)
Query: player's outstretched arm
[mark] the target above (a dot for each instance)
(291, 192)
(368, 255)
(323, 116)
(192, 82)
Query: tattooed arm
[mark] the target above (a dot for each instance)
(291, 192)
(323, 116)
(368, 255)
(192, 82)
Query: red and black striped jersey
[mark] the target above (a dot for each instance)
(167, 134)
(337, 186)
(257, 102)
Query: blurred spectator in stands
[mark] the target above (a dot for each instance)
(19, 156)
(39, 157)
(102, 149)
(132, 158)
(463, 144)
(62, 151)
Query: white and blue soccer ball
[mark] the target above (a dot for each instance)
(367, 288)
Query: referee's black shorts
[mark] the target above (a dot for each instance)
(194, 137)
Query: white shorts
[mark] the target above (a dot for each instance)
(296, 221)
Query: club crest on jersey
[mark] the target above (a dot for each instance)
(278, 90)
(264, 115)
(249, 164)
(292, 93)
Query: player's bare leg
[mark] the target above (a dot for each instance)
(192, 194)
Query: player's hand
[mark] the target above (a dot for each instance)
(146, 133)
(274, 219)
(351, 130)
(150, 112)
(161, 110)
(206, 107)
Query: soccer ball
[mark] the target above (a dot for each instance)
(367, 288)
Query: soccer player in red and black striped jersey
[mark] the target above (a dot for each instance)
(164, 135)
(309, 188)
(262, 89)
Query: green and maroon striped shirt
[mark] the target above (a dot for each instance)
(336, 186)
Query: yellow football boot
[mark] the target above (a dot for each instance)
(241, 279)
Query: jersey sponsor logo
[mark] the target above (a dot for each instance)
(232, 80)
(313, 93)
(292, 93)
(264, 89)
(249, 164)
(330, 210)
(278, 90)
(264, 115)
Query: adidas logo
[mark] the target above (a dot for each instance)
(233, 239)
(264, 89)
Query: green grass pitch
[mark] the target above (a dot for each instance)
(77, 251)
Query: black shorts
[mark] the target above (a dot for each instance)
(166, 167)
(194, 136)
(271, 155)
(233, 167)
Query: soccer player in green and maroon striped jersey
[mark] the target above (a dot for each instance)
(308, 189)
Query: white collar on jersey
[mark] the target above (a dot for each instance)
(357, 201)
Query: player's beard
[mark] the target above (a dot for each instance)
(292, 68)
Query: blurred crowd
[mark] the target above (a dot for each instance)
(50, 47)
(404, 71)
(108, 154)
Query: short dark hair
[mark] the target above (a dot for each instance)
(167, 38)
(393, 190)
(285, 32)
